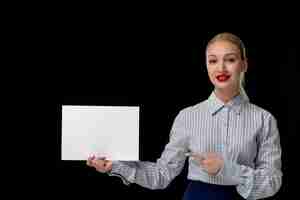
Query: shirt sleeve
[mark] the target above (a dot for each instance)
(266, 178)
(157, 175)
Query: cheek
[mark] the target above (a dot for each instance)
(235, 69)
(210, 72)
(210, 69)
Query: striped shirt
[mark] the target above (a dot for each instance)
(244, 134)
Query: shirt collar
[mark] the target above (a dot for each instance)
(215, 104)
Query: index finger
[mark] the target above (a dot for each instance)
(197, 156)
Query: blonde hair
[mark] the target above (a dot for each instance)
(235, 40)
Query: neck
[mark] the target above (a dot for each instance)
(226, 95)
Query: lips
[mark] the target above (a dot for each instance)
(223, 77)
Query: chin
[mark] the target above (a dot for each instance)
(223, 86)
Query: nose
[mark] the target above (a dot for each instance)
(222, 66)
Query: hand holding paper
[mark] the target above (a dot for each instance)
(100, 164)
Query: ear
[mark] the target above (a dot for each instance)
(245, 65)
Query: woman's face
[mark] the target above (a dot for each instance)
(224, 65)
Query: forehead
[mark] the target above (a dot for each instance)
(222, 47)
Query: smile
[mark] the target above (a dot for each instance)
(222, 77)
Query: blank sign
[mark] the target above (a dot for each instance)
(110, 131)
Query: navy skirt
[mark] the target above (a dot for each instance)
(205, 191)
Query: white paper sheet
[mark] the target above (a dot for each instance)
(110, 131)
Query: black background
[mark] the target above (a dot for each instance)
(159, 65)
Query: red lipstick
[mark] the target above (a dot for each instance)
(223, 77)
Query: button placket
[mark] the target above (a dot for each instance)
(226, 124)
(223, 127)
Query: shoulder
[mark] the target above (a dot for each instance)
(189, 115)
(193, 109)
(258, 111)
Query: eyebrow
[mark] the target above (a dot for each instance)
(227, 54)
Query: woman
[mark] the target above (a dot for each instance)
(233, 146)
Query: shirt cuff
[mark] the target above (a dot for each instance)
(122, 171)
